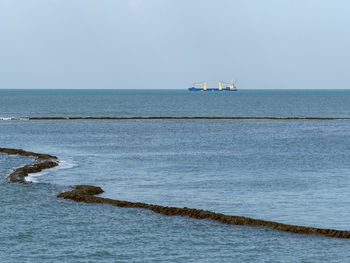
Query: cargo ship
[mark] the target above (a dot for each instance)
(223, 86)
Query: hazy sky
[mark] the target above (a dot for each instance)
(165, 44)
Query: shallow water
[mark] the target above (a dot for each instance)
(293, 172)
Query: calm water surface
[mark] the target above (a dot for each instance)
(294, 172)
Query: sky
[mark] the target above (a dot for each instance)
(169, 44)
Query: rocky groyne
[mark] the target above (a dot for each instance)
(86, 194)
(41, 162)
(186, 118)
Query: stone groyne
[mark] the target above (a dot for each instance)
(173, 118)
(42, 161)
(86, 194)
(186, 118)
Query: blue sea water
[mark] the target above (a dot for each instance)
(290, 171)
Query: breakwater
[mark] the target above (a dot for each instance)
(86, 194)
(175, 118)
(42, 161)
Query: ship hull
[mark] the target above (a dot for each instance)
(201, 89)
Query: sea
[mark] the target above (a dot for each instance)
(289, 171)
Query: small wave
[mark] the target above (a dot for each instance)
(32, 178)
(13, 118)
(63, 165)
(66, 164)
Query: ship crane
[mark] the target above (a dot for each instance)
(202, 86)
(228, 85)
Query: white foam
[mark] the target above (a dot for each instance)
(62, 165)
(66, 164)
(31, 178)
(13, 118)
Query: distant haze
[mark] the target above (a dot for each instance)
(168, 44)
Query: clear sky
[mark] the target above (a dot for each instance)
(164, 44)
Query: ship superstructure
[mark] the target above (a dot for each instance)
(223, 86)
